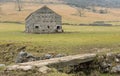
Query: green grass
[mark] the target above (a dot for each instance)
(73, 38)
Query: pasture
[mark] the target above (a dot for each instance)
(74, 40)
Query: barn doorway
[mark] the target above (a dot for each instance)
(58, 27)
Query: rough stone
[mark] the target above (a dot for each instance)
(2, 65)
(48, 56)
(25, 68)
(105, 67)
(118, 55)
(23, 54)
(44, 69)
(29, 55)
(115, 69)
(21, 57)
(109, 55)
(10, 68)
(59, 55)
(18, 67)
(24, 57)
(117, 60)
(105, 63)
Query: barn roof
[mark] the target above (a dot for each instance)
(44, 7)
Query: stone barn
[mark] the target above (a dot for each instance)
(43, 20)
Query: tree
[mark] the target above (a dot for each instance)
(81, 12)
(0, 8)
(19, 5)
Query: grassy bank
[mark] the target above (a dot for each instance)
(74, 40)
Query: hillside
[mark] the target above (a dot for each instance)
(102, 3)
(77, 37)
(79, 3)
(69, 14)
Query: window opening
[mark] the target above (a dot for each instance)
(48, 27)
(36, 27)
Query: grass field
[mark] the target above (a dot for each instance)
(74, 40)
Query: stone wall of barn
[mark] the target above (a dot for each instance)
(44, 21)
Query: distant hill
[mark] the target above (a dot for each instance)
(103, 3)
(9, 12)
(78, 3)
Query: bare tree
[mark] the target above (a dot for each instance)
(19, 5)
(0, 8)
(81, 12)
